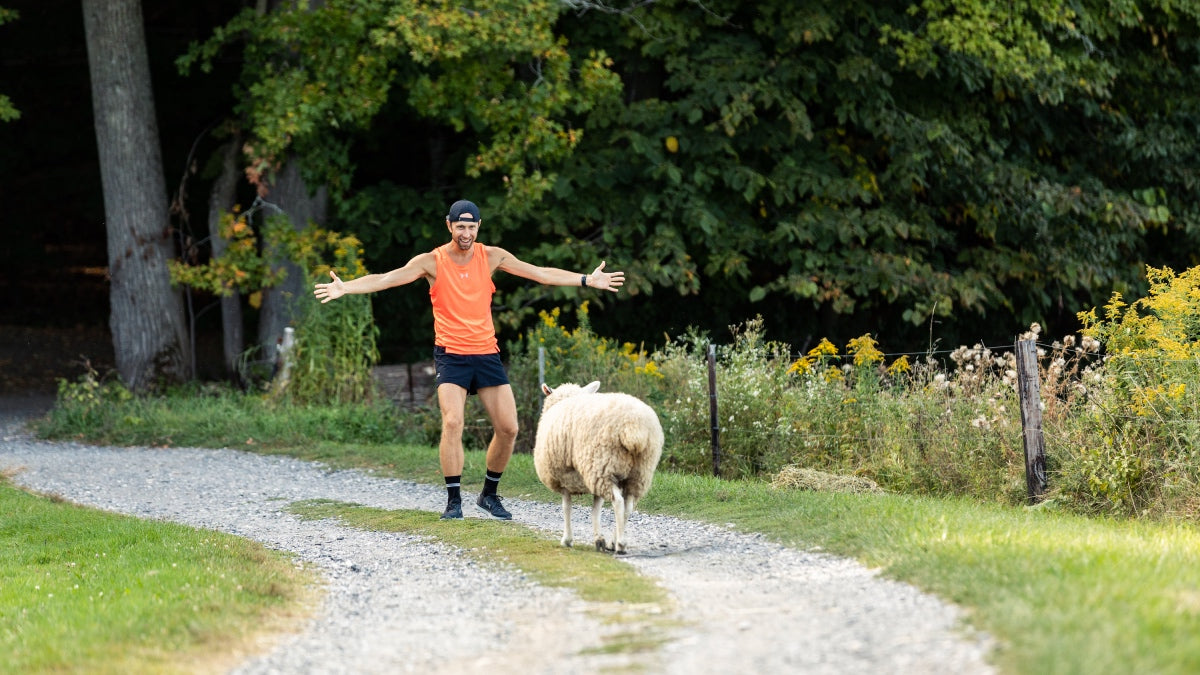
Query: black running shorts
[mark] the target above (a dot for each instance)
(471, 372)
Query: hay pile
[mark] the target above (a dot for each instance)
(802, 478)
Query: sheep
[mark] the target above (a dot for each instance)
(606, 445)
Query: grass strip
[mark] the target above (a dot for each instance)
(619, 595)
(86, 590)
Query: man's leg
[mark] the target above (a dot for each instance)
(501, 408)
(452, 399)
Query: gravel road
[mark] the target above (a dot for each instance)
(396, 603)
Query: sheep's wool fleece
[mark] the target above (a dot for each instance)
(585, 442)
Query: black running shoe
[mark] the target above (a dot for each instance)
(491, 504)
(453, 510)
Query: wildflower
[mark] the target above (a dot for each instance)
(864, 350)
(824, 348)
(801, 366)
(899, 366)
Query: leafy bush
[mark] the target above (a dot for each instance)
(573, 355)
(335, 344)
(1142, 413)
(214, 416)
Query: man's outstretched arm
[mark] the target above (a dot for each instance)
(419, 267)
(552, 276)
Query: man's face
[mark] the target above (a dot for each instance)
(464, 232)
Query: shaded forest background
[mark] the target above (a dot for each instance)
(53, 290)
(839, 169)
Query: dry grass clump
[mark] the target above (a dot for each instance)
(803, 478)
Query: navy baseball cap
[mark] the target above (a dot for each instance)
(463, 210)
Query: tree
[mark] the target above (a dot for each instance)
(149, 335)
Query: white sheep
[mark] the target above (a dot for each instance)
(606, 445)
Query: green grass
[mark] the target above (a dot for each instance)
(84, 590)
(1065, 594)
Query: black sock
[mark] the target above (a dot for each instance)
(491, 481)
(453, 485)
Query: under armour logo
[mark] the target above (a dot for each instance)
(464, 275)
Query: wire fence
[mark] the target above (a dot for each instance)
(1011, 422)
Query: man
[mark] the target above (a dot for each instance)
(466, 352)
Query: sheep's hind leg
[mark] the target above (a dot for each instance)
(566, 506)
(597, 504)
(620, 513)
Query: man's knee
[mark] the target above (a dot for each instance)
(452, 424)
(506, 429)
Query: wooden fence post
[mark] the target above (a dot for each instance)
(1029, 390)
(714, 421)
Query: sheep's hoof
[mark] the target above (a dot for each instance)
(566, 542)
(602, 546)
(620, 549)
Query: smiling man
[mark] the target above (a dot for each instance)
(466, 352)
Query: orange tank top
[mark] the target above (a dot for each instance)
(462, 304)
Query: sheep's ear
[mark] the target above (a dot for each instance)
(546, 389)
(592, 387)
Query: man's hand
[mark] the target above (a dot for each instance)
(334, 289)
(606, 281)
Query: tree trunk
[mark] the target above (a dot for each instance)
(220, 201)
(290, 193)
(146, 318)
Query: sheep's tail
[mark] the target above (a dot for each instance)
(642, 436)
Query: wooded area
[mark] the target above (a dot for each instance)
(935, 171)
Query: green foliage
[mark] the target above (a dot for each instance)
(910, 429)
(92, 396)
(248, 265)
(335, 345)
(965, 163)
(500, 71)
(335, 351)
(1145, 406)
(574, 355)
(219, 416)
(801, 156)
(755, 419)
(242, 267)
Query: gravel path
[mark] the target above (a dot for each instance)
(397, 603)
